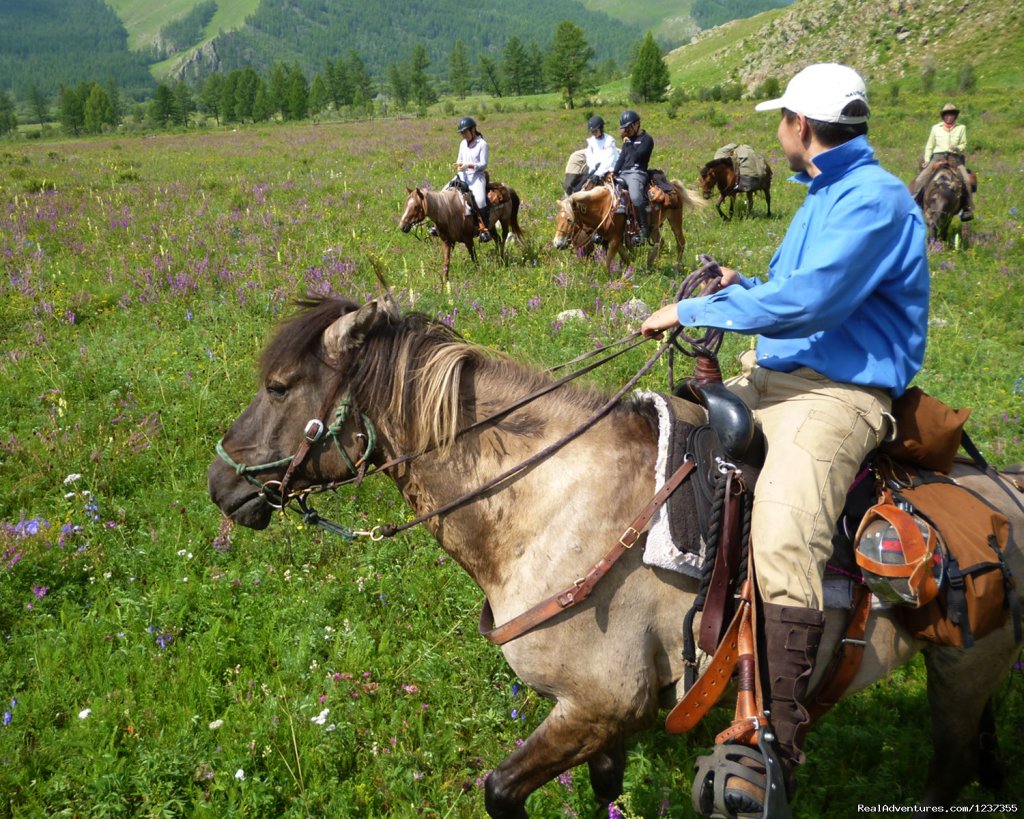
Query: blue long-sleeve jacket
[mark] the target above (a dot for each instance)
(847, 290)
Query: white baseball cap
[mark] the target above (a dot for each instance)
(821, 92)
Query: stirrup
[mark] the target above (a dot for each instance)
(762, 769)
(432, 230)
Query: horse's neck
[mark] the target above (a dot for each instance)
(585, 493)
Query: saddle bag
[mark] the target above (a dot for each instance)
(659, 190)
(928, 433)
(497, 194)
(975, 589)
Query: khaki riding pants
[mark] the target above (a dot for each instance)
(818, 433)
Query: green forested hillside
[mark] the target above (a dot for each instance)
(310, 31)
(49, 43)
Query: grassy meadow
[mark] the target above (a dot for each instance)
(155, 661)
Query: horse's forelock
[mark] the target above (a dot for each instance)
(300, 336)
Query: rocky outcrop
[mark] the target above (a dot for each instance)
(200, 62)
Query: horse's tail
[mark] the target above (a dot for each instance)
(688, 199)
(513, 219)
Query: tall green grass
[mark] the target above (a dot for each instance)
(157, 661)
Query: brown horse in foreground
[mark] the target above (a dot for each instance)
(721, 173)
(410, 385)
(591, 214)
(447, 210)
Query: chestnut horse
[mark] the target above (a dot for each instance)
(593, 213)
(447, 210)
(394, 386)
(721, 173)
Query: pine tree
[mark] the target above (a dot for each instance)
(490, 79)
(568, 62)
(398, 84)
(420, 89)
(535, 69)
(97, 110)
(459, 70)
(513, 66)
(210, 96)
(649, 78)
(318, 95)
(184, 104)
(161, 108)
(297, 96)
(8, 121)
(39, 103)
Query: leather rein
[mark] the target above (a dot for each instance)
(577, 230)
(277, 493)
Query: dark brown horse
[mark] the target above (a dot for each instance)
(447, 210)
(721, 173)
(396, 385)
(593, 213)
(941, 200)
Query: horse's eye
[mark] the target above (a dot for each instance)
(278, 389)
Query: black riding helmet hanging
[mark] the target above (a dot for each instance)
(465, 124)
(628, 118)
(594, 123)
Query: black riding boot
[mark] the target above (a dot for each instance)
(485, 214)
(644, 221)
(791, 638)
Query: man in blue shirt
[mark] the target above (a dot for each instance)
(842, 320)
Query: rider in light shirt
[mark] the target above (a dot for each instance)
(471, 167)
(601, 151)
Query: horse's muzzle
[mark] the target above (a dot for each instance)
(405, 228)
(561, 242)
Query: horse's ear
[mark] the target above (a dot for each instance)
(408, 190)
(349, 332)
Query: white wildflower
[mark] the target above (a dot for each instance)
(240, 775)
(70, 479)
(84, 713)
(321, 718)
(216, 724)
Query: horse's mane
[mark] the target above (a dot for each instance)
(413, 368)
(715, 163)
(450, 207)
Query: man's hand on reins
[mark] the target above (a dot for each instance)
(667, 317)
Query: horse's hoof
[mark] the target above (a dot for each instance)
(966, 216)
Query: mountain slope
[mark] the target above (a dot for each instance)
(49, 43)
(310, 31)
(888, 41)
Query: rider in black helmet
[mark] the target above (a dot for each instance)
(631, 166)
(601, 152)
(471, 167)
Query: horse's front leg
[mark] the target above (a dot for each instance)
(615, 247)
(446, 256)
(607, 771)
(565, 739)
(718, 207)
